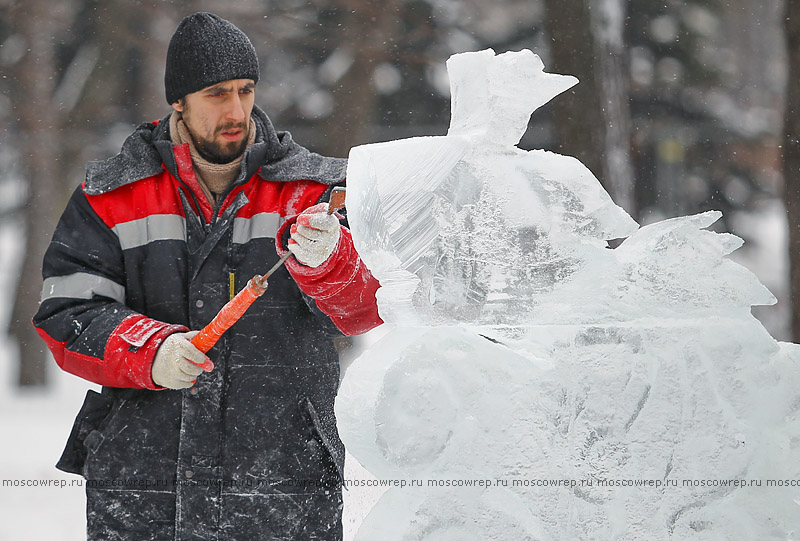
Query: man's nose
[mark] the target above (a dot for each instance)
(236, 108)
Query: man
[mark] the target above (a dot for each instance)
(153, 243)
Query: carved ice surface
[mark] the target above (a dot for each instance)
(526, 352)
(468, 228)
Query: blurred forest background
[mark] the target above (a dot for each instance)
(682, 105)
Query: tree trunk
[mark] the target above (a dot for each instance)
(366, 30)
(608, 19)
(592, 120)
(35, 74)
(791, 157)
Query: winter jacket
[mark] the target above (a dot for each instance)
(251, 451)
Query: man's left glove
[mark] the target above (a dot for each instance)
(314, 235)
(178, 362)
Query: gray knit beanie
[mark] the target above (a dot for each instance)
(205, 50)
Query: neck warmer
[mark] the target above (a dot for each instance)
(214, 178)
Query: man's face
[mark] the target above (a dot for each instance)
(218, 118)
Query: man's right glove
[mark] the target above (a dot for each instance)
(178, 363)
(314, 235)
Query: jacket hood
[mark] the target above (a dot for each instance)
(274, 155)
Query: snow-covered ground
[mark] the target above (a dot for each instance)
(35, 423)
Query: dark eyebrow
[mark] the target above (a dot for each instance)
(218, 88)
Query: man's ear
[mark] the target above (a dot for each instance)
(178, 105)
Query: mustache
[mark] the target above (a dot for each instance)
(232, 126)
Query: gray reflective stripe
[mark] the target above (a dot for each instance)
(149, 229)
(264, 225)
(81, 285)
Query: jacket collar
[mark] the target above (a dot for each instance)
(274, 156)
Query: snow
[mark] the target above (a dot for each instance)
(534, 382)
(38, 424)
(35, 424)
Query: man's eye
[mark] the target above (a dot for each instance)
(246, 91)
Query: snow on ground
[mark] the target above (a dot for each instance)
(35, 424)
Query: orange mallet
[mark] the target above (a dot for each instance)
(256, 286)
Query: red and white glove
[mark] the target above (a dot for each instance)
(178, 362)
(315, 235)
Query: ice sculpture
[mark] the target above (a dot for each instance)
(537, 384)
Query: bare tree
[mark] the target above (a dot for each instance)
(88, 66)
(365, 31)
(791, 156)
(592, 121)
(37, 117)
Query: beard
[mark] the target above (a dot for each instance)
(221, 152)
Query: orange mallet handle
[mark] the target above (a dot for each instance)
(256, 286)
(229, 314)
